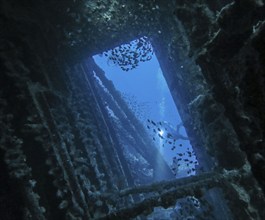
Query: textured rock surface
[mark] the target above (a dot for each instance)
(233, 64)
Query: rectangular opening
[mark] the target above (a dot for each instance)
(139, 105)
(135, 72)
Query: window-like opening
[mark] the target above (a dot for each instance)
(153, 168)
(144, 89)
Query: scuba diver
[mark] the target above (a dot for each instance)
(165, 130)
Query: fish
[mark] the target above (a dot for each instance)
(160, 136)
(169, 135)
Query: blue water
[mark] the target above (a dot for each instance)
(147, 94)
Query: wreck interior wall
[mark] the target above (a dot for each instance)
(43, 103)
(231, 62)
